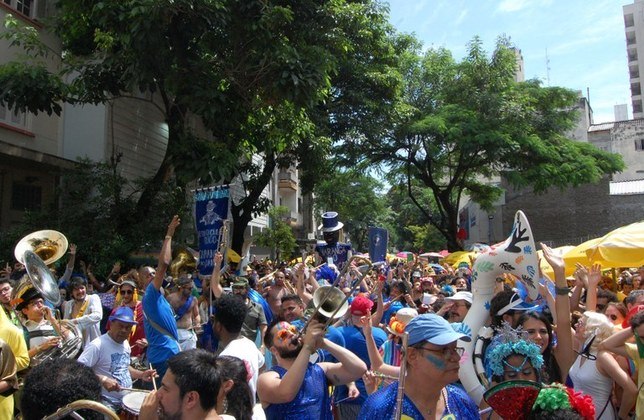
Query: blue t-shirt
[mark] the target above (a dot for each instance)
(355, 342)
(382, 405)
(157, 309)
(312, 402)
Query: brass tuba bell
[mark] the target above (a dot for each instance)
(49, 245)
(183, 262)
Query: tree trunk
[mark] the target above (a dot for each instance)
(242, 212)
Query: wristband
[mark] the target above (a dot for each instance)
(562, 290)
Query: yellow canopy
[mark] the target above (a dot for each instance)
(562, 250)
(455, 258)
(623, 247)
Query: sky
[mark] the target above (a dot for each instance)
(581, 42)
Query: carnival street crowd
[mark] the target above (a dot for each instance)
(333, 336)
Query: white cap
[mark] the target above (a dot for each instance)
(462, 295)
(429, 299)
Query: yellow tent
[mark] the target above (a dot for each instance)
(623, 247)
(455, 258)
(545, 267)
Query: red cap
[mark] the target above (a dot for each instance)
(633, 311)
(361, 305)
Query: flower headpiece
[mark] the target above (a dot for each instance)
(507, 342)
(556, 397)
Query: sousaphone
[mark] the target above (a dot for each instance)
(49, 245)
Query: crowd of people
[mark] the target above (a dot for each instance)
(340, 338)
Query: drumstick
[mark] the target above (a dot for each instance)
(154, 382)
(134, 390)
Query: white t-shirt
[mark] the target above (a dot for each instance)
(106, 357)
(89, 322)
(244, 349)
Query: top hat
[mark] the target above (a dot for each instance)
(330, 222)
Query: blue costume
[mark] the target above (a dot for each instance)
(355, 342)
(160, 329)
(312, 402)
(338, 253)
(382, 405)
(392, 309)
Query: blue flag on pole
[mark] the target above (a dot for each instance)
(211, 209)
(378, 239)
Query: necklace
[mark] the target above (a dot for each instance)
(444, 394)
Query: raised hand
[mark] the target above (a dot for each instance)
(555, 260)
(173, 225)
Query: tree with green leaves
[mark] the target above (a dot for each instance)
(463, 123)
(354, 195)
(279, 235)
(252, 71)
(93, 207)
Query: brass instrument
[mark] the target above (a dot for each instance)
(70, 409)
(49, 245)
(39, 277)
(401, 378)
(330, 302)
(183, 262)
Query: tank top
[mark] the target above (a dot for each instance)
(587, 379)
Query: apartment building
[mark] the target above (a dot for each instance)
(634, 29)
(35, 150)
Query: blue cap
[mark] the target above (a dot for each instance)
(517, 304)
(123, 314)
(434, 329)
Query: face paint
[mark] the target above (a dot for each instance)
(436, 361)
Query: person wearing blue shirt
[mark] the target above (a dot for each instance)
(354, 340)
(431, 366)
(160, 326)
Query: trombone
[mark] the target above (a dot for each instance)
(329, 301)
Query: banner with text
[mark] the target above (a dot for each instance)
(211, 209)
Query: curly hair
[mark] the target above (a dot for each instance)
(598, 325)
(239, 398)
(230, 311)
(55, 383)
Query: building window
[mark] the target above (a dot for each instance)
(639, 145)
(25, 196)
(634, 72)
(636, 89)
(632, 55)
(13, 117)
(629, 21)
(637, 106)
(34, 9)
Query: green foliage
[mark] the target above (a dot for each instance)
(353, 194)
(279, 236)
(462, 123)
(93, 208)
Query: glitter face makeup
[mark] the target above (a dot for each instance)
(284, 331)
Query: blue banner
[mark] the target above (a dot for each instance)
(211, 209)
(378, 239)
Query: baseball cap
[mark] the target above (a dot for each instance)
(517, 304)
(433, 329)
(123, 314)
(361, 306)
(399, 321)
(462, 295)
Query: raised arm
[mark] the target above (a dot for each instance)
(375, 358)
(165, 256)
(215, 284)
(594, 277)
(70, 264)
(616, 343)
(564, 353)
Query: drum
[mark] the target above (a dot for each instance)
(132, 403)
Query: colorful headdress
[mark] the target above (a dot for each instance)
(507, 342)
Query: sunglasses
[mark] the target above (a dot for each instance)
(127, 292)
(613, 317)
(285, 333)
